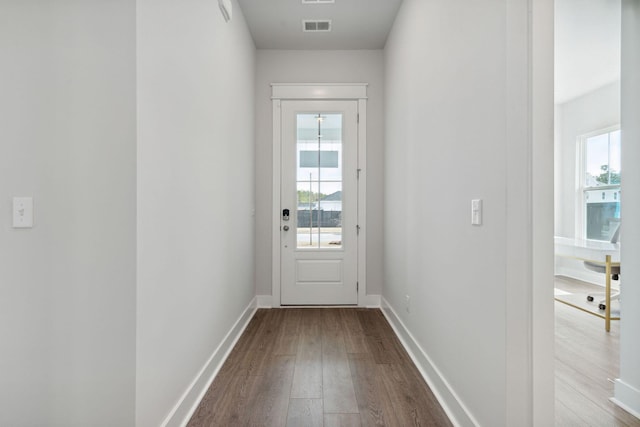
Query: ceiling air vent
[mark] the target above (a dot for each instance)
(317, 1)
(315, 26)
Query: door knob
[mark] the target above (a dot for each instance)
(285, 228)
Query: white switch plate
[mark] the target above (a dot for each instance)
(476, 212)
(22, 212)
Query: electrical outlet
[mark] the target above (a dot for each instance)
(407, 303)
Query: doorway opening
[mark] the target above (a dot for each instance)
(588, 196)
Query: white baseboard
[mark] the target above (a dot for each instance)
(449, 400)
(627, 397)
(189, 401)
(370, 301)
(264, 301)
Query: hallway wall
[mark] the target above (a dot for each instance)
(195, 193)
(457, 113)
(67, 286)
(314, 66)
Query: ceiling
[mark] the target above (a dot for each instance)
(587, 34)
(587, 46)
(356, 24)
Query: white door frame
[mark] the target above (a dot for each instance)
(319, 91)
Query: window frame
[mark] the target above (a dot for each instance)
(581, 188)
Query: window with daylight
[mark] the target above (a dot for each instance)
(319, 180)
(600, 182)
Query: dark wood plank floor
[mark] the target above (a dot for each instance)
(586, 358)
(319, 367)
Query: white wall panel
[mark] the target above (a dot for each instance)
(195, 192)
(67, 285)
(457, 117)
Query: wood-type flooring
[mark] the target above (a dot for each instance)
(587, 359)
(319, 367)
(345, 367)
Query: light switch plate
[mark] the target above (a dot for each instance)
(22, 212)
(476, 212)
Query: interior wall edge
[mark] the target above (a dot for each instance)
(627, 390)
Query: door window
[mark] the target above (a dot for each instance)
(319, 180)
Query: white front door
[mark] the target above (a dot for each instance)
(319, 203)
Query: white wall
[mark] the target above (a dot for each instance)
(67, 286)
(290, 66)
(627, 389)
(457, 128)
(195, 192)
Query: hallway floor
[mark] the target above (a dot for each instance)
(319, 367)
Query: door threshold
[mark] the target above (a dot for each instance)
(318, 306)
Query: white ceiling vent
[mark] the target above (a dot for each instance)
(314, 26)
(317, 1)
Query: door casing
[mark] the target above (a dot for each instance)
(319, 91)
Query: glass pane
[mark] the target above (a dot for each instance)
(597, 161)
(603, 213)
(331, 215)
(319, 180)
(331, 161)
(307, 127)
(307, 214)
(331, 125)
(308, 148)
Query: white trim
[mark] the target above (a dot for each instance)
(319, 90)
(373, 300)
(453, 406)
(275, 224)
(578, 202)
(627, 397)
(318, 1)
(324, 91)
(539, 287)
(190, 399)
(362, 202)
(370, 301)
(264, 301)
